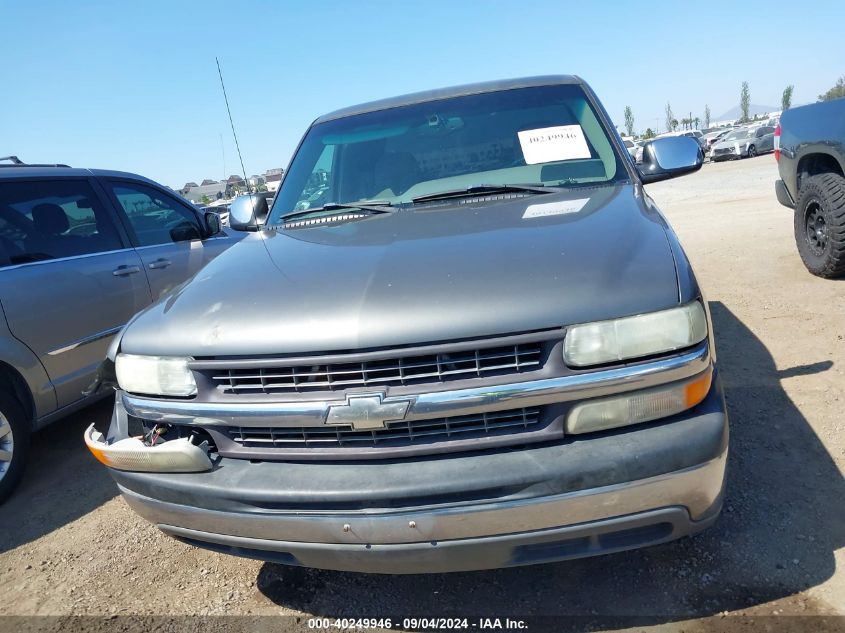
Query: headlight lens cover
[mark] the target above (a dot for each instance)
(173, 456)
(638, 406)
(636, 336)
(155, 375)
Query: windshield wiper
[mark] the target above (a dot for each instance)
(373, 206)
(477, 190)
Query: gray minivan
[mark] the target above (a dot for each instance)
(81, 251)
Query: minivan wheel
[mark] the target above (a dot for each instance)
(820, 225)
(14, 444)
(752, 151)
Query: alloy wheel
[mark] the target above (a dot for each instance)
(7, 445)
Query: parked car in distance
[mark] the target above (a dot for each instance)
(744, 142)
(810, 151)
(762, 142)
(696, 134)
(441, 369)
(81, 251)
(693, 134)
(713, 137)
(634, 147)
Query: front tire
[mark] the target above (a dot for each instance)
(14, 444)
(820, 225)
(752, 151)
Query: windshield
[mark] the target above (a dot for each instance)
(547, 135)
(736, 135)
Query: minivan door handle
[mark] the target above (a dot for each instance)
(161, 262)
(122, 271)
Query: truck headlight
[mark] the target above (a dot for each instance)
(638, 406)
(155, 375)
(173, 456)
(633, 337)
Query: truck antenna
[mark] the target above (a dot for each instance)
(232, 123)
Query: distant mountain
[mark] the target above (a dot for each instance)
(753, 109)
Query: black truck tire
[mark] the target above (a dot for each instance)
(820, 224)
(14, 439)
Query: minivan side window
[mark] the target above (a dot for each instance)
(43, 220)
(156, 217)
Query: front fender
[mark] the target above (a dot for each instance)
(106, 377)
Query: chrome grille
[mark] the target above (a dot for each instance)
(404, 433)
(407, 370)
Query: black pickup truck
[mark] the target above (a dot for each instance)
(810, 150)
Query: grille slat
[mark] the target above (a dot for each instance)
(404, 433)
(392, 371)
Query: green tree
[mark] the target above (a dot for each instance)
(206, 200)
(706, 115)
(786, 99)
(744, 101)
(696, 120)
(837, 92)
(629, 120)
(671, 123)
(649, 133)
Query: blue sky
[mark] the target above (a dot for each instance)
(133, 86)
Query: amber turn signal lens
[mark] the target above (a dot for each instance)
(96, 452)
(697, 390)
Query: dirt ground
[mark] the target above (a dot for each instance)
(70, 546)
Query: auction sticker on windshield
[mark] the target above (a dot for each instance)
(549, 144)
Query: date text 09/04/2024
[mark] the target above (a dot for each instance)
(417, 624)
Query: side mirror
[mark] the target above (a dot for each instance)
(212, 223)
(670, 157)
(248, 212)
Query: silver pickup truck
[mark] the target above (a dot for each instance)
(463, 337)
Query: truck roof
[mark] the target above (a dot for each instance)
(447, 93)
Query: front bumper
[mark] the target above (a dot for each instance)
(721, 157)
(578, 497)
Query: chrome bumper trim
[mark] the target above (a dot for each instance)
(697, 489)
(429, 405)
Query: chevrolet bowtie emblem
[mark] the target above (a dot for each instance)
(367, 411)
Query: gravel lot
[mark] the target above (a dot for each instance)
(69, 545)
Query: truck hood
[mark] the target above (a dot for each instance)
(431, 273)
